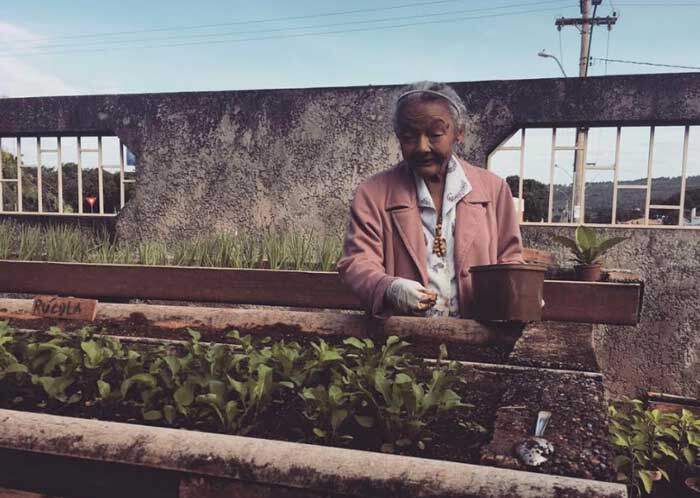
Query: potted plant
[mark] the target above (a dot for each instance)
(587, 248)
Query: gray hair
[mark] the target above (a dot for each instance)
(427, 91)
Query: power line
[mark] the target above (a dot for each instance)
(644, 63)
(624, 4)
(344, 23)
(273, 37)
(276, 19)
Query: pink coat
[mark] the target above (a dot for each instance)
(385, 238)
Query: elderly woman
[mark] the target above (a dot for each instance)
(416, 228)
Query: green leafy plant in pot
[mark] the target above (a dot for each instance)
(587, 249)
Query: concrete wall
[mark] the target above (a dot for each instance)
(220, 160)
(213, 161)
(662, 353)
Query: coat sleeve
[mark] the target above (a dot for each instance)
(362, 265)
(510, 246)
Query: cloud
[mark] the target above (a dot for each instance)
(18, 77)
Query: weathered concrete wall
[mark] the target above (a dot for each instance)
(250, 159)
(662, 353)
(222, 160)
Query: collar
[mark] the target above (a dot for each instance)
(456, 187)
(403, 192)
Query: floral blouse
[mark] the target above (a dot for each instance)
(442, 277)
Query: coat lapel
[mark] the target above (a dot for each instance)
(402, 206)
(470, 215)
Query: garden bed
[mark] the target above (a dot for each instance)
(588, 302)
(459, 434)
(465, 339)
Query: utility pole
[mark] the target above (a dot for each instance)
(586, 21)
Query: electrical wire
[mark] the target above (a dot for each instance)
(279, 19)
(645, 63)
(344, 23)
(297, 35)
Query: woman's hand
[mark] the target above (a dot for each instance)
(409, 296)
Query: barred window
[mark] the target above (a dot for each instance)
(647, 176)
(79, 175)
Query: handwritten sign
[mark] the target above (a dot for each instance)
(65, 308)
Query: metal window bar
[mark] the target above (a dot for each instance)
(581, 189)
(684, 172)
(521, 180)
(100, 179)
(59, 163)
(615, 174)
(2, 182)
(647, 187)
(79, 176)
(552, 164)
(19, 175)
(121, 175)
(650, 163)
(39, 185)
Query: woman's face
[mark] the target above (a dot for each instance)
(427, 134)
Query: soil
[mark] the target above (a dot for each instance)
(137, 325)
(481, 391)
(578, 428)
(504, 404)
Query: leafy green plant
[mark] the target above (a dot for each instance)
(66, 243)
(274, 248)
(152, 253)
(29, 243)
(652, 444)
(328, 252)
(299, 246)
(586, 247)
(330, 394)
(7, 234)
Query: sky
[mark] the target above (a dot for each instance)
(81, 47)
(85, 47)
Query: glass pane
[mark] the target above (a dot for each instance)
(49, 181)
(667, 165)
(630, 206)
(599, 196)
(600, 152)
(663, 217)
(562, 210)
(111, 183)
(634, 156)
(9, 157)
(514, 140)
(9, 196)
(538, 151)
(506, 164)
(49, 143)
(30, 197)
(88, 142)
(566, 137)
(110, 152)
(692, 182)
(70, 187)
(29, 145)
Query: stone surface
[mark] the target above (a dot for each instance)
(662, 353)
(292, 158)
(215, 161)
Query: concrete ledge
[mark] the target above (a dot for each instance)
(271, 464)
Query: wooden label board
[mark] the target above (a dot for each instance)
(65, 308)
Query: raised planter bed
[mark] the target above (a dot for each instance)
(198, 468)
(589, 302)
(187, 464)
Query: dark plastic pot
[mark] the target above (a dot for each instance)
(589, 273)
(510, 292)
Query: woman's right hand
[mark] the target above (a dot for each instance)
(409, 296)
